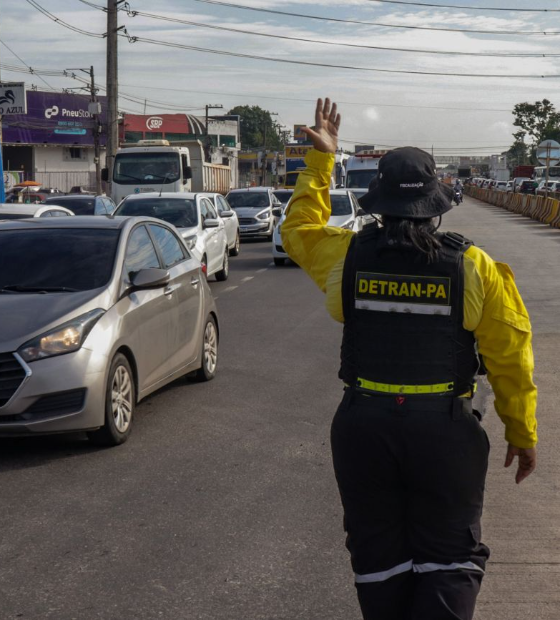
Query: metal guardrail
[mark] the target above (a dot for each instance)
(545, 210)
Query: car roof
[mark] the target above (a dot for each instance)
(340, 192)
(250, 189)
(74, 196)
(84, 221)
(20, 208)
(178, 195)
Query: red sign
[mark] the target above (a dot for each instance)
(160, 123)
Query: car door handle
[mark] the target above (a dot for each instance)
(168, 290)
(194, 282)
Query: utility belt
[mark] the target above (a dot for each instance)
(402, 398)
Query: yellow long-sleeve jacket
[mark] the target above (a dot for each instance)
(493, 308)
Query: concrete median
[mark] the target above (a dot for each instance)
(540, 208)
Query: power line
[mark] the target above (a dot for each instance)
(56, 19)
(338, 43)
(23, 61)
(463, 7)
(133, 39)
(302, 100)
(378, 24)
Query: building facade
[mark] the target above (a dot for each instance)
(54, 142)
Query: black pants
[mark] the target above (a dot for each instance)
(411, 475)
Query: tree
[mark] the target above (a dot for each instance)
(255, 123)
(518, 153)
(539, 121)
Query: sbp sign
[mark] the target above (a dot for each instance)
(154, 122)
(12, 98)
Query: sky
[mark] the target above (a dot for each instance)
(449, 113)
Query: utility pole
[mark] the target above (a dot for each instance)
(265, 128)
(112, 86)
(96, 110)
(2, 186)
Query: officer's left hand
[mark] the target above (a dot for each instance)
(527, 461)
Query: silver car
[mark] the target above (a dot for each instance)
(254, 209)
(196, 219)
(97, 313)
(230, 219)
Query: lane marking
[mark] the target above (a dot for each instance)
(261, 270)
(229, 289)
(247, 278)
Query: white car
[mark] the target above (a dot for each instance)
(344, 214)
(500, 186)
(196, 220)
(517, 183)
(23, 211)
(230, 219)
(254, 208)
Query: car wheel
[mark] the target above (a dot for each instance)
(120, 402)
(279, 261)
(223, 274)
(209, 361)
(235, 249)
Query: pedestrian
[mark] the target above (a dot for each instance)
(420, 309)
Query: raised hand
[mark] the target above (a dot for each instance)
(324, 135)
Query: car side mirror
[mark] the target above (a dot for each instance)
(277, 211)
(150, 278)
(361, 212)
(226, 214)
(210, 223)
(105, 174)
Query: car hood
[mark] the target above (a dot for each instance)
(250, 211)
(25, 315)
(340, 220)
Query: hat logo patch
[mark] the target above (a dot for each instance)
(419, 184)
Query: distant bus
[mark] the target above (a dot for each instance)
(539, 173)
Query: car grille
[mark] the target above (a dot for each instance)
(247, 221)
(12, 375)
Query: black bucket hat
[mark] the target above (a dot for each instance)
(407, 186)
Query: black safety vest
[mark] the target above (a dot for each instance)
(403, 318)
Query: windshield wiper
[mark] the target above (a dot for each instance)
(18, 288)
(128, 176)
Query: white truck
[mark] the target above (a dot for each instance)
(156, 165)
(360, 170)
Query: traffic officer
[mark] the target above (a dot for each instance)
(420, 309)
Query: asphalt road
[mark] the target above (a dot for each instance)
(223, 505)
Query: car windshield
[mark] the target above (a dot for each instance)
(360, 178)
(151, 168)
(58, 258)
(256, 200)
(340, 205)
(80, 206)
(180, 212)
(283, 196)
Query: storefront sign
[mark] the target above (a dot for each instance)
(12, 98)
(55, 118)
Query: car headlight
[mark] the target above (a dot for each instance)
(265, 215)
(65, 338)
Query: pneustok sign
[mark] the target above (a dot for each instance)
(55, 118)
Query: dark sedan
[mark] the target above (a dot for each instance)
(83, 204)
